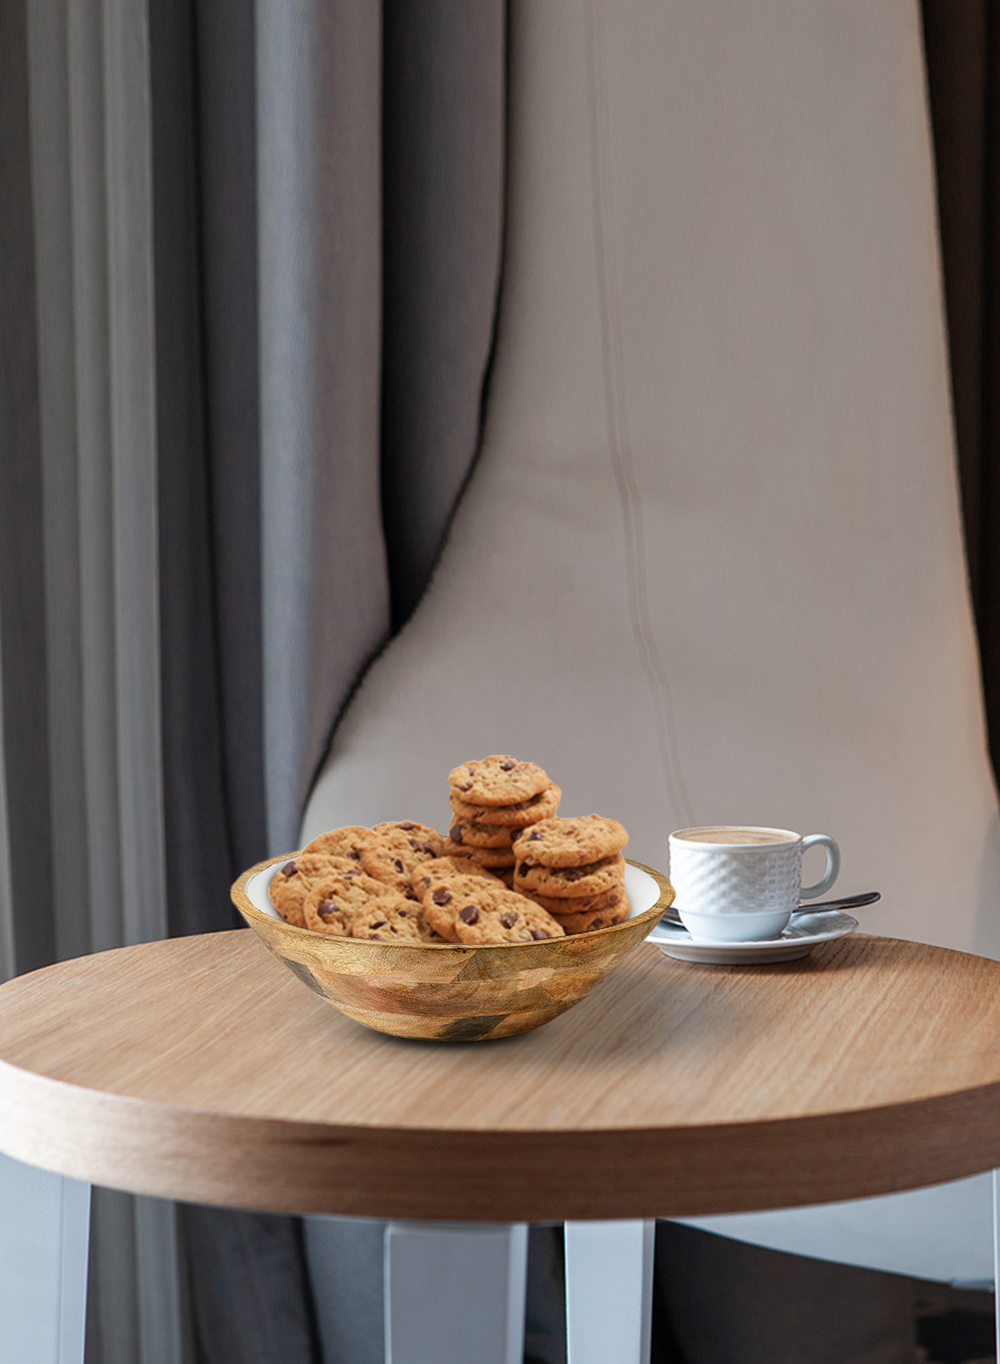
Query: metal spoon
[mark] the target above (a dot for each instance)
(869, 897)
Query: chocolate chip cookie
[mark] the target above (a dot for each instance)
(581, 904)
(486, 857)
(394, 851)
(593, 919)
(442, 894)
(346, 842)
(430, 875)
(291, 882)
(332, 901)
(497, 780)
(570, 842)
(473, 834)
(475, 912)
(399, 920)
(517, 816)
(565, 882)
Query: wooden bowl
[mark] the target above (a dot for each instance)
(451, 993)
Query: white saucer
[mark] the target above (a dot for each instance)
(797, 940)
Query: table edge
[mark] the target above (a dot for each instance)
(280, 1165)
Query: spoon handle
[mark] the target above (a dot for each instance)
(845, 902)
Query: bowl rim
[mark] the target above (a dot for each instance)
(252, 914)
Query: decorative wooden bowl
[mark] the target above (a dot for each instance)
(448, 993)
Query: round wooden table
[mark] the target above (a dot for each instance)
(201, 1069)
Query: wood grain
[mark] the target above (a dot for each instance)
(201, 1069)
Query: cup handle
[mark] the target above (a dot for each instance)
(832, 864)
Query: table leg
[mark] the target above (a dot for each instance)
(44, 1240)
(609, 1291)
(454, 1292)
(996, 1258)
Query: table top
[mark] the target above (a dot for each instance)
(201, 1069)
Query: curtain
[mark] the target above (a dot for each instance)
(962, 47)
(83, 842)
(249, 257)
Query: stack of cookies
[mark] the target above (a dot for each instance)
(509, 871)
(493, 800)
(574, 869)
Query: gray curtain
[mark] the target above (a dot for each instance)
(249, 260)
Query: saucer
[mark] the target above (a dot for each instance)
(797, 940)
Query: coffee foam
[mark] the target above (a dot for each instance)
(738, 836)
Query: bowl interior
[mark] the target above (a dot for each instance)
(640, 886)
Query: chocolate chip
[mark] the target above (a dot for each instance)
(354, 855)
(522, 869)
(455, 833)
(534, 836)
(328, 907)
(508, 766)
(377, 936)
(466, 786)
(397, 864)
(380, 923)
(429, 850)
(469, 914)
(575, 873)
(509, 918)
(407, 825)
(596, 924)
(538, 934)
(290, 868)
(414, 844)
(441, 896)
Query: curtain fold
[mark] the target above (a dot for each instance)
(443, 183)
(29, 936)
(319, 243)
(962, 49)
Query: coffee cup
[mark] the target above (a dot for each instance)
(741, 883)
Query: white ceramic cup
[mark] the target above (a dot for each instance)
(741, 883)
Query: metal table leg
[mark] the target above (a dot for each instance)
(609, 1291)
(44, 1240)
(996, 1258)
(454, 1292)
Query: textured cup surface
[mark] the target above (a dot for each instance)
(740, 882)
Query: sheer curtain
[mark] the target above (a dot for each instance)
(85, 849)
(248, 295)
